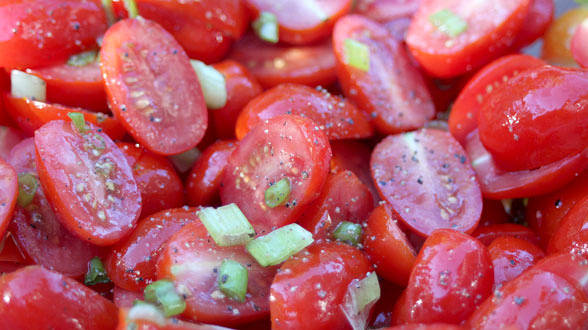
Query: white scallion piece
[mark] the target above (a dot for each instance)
(227, 225)
(213, 84)
(360, 297)
(279, 245)
(28, 86)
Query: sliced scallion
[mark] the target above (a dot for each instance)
(82, 59)
(27, 188)
(79, 121)
(109, 11)
(164, 293)
(131, 7)
(448, 22)
(147, 312)
(232, 279)
(266, 27)
(278, 193)
(227, 225)
(183, 162)
(279, 245)
(348, 232)
(212, 83)
(357, 54)
(96, 273)
(27, 85)
(360, 297)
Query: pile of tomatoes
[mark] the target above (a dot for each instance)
(463, 160)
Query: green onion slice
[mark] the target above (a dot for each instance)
(96, 273)
(164, 293)
(448, 22)
(213, 84)
(348, 232)
(131, 7)
(28, 86)
(27, 188)
(360, 297)
(184, 161)
(83, 59)
(79, 121)
(266, 27)
(357, 54)
(227, 225)
(232, 279)
(147, 312)
(109, 11)
(278, 193)
(279, 245)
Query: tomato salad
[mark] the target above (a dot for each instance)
(293, 164)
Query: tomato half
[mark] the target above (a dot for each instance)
(123, 298)
(9, 137)
(572, 265)
(8, 194)
(511, 257)
(536, 23)
(283, 147)
(137, 321)
(152, 87)
(579, 44)
(89, 182)
(573, 229)
(392, 91)
(488, 234)
(386, 10)
(354, 156)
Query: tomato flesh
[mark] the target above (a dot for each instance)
(511, 257)
(8, 195)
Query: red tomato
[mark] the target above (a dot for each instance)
(490, 32)
(151, 87)
(451, 277)
(160, 186)
(191, 259)
(534, 300)
(303, 22)
(536, 23)
(75, 86)
(131, 263)
(283, 147)
(572, 265)
(427, 179)
(9, 137)
(432, 326)
(272, 65)
(31, 115)
(343, 198)
(386, 10)
(573, 229)
(123, 298)
(139, 321)
(579, 44)
(392, 91)
(557, 39)
(498, 184)
(320, 276)
(38, 230)
(12, 252)
(204, 182)
(44, 32)
(339, 118)
(88, 182)
(58, 302)
(8, 194)
(355, 157)
(493, 213)
(397, 28)
(550, 124)
(511, 257)
(242, 87)
(488, 234)
(387, 246)
(463, 118)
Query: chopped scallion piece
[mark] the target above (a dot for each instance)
(147, 312)
(448, 22)
(131, 7)
(227, 225)
(184, 161)
(507, 205)
(96, 273)
(27, 85)
(278, 193)
(79, 122)
(213, 84)
(82, 59)
(279, 245)
(360, 298)
(232, 279)
(109, 11)
(164, 293)
(348, 232)
(266, 27)
(27, 188)
(357, 54)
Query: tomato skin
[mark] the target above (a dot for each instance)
(151, 87)
(123, 298)
(427, 179)
(491, 30)
(551, 123)
(58, 302)
(488, 234)
(432, 326)
(76, 172)
(386, 10)
(392, 91)
(511, 257)
(571, 265)
(8, 194)
(125, 323)
(452, 275)
(573, 229)
(44, 32)
(463, 118)
(387, 246)
(538, 20)
(557, 39)
(339, 118)
(579, 44)
(9, 137)
(321, 275)
(285, 146)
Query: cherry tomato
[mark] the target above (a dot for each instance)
(339, 118)
(392, 91)
(432, 326)
(387, 246)
(538, 19)
(511, 257)
(123, 298)
(303, 22)
(145, 322)
(493, 213)
(452, 275)
(488, 234)
(573, 229)
(386, 10)
(428, 181)
(579, 44)
(191, 259)
(311, 65)
(58, 302)
(320, 275)
(9, 137)
(283, 147)
(550, 124)
(12, 252)
(8, 194)
(557, 39)
(151, 87)
(88, 182)
(572, 265)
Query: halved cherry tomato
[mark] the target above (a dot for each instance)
(488, 234)
(44, 32)
(386, 10)
(152, 87)
(397, 28)
(432, 326)
(283, 147)
(146, 322)
(463, 118)
(427, 179)
(538, 19)
(241, 87)
(8, 194)
(353, 156)
(38, 230)
(493, 213)
(123, 298)
(387, 246)
(303, 21)
(452, 275)
(58, 302)
(9, 137)
(191, 259)
(320, 276)
(572, 265)
(160, 186)
(272, 65)
(511, 257)
(550, 123)
(579, 44)
(392, 91)
(557, 39)
(339, 118)
(31, 115)
(131, 264)
(88, 182)
(490, 31)
(573, 230)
